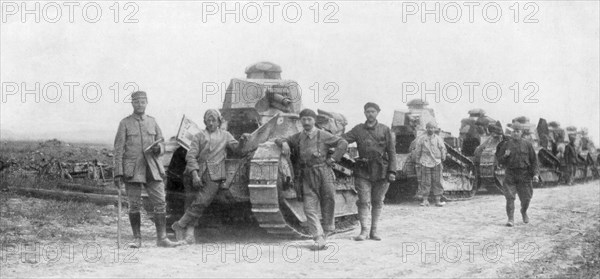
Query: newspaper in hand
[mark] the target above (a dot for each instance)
(187, 130)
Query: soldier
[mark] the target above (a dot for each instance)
(311, 147)
(570, 158)
(138, 166)
(375, 169)
(520, 160)
(206, 166)
(430, 152)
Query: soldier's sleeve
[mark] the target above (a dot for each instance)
(443, 148)
(500, 150)
(291, 140)
(338, 143)
(232, 143)
(534, 168)
(119, 148)
(351, 136)
(417, 149)
(159, 135)
(192, 155)
(391, 150)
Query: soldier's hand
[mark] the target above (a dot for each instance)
(196, 181)
(391, 177)
(536, 178)
(156, 149)
(244, 137)
(118, 180)
(507, 153)
(285, 149)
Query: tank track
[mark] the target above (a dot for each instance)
(268, 208)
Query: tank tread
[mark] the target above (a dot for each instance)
(267, 209)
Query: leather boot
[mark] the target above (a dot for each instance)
(179, 227)
(135, 221)
(160, 221)
(438, 201)
(363, 217)
(319, 243)
(425, 201)
(376, 213)
(190, 236)
(510, 212)
(524, 207)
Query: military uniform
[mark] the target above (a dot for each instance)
(317, 178)
(377, 159)
(139, 168)
(570, 157)
(521, 166)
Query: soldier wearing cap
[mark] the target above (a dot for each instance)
(520, 160)
(430, 152)
(206, 166)
(570, 157)
(311, 147)
(375, 170)
(137, 148)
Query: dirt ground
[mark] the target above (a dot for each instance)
(463, 239)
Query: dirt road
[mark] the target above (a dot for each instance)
(463, 239)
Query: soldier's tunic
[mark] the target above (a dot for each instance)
(430, 152)
(207, 156)
(317, 178)
(377, 158)
(139, 168)
(570, 157)
(521, 166)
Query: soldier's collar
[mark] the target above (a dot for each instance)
(311, 134)
(367, 126)
(139, 117)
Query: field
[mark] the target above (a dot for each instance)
(49, 238)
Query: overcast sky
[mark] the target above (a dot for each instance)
(369, 54)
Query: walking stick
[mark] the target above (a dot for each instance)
(118, 209)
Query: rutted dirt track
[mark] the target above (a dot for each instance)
(463, 239)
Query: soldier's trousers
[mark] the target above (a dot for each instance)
(431, 179)
(319, 190)
(156, 194)
(518, 182)
(570, 175)
(370, 194)
(204, 196)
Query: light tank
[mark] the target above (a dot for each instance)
(477, 143)
(457, 174)
(261, 185)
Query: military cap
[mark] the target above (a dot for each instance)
(308, 113)
(138, 95)
(554, 124)
(517, 126)
(571, 130)
(372, 105)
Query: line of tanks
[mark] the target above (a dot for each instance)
(262, 185)
(472, 166)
